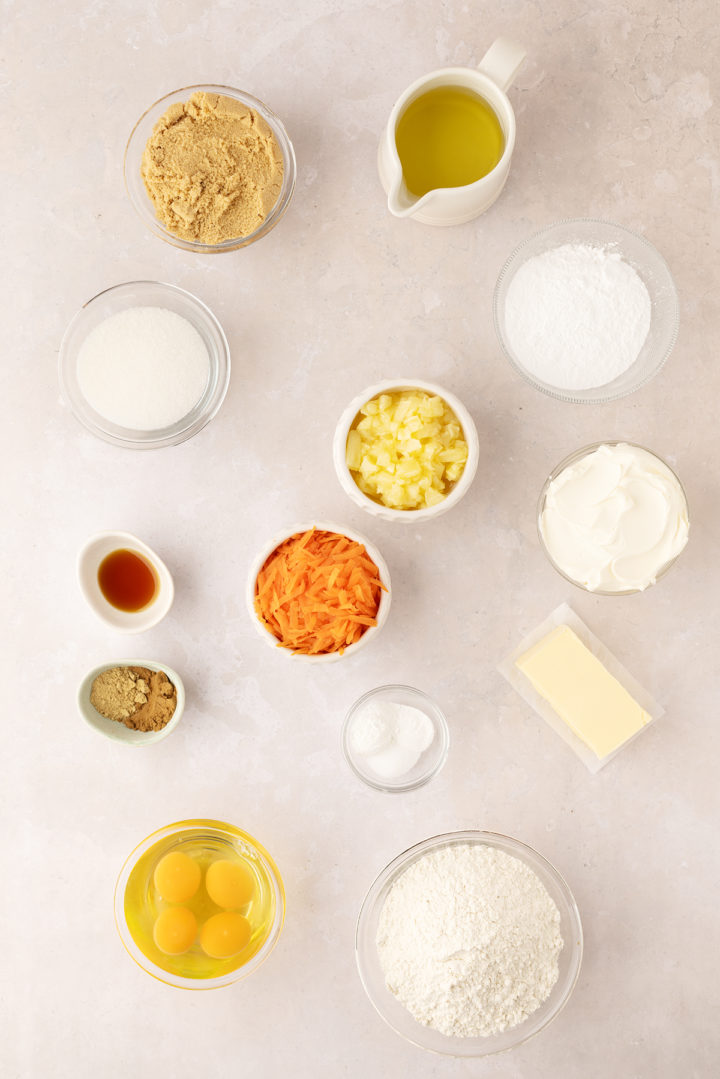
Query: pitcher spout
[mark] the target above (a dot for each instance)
(402, 203)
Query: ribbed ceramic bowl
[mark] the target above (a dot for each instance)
(141, 200)
(572, 459)
(383, 609)
(377, 509)
(118, 732)
(650, 266)
(145, 294)
(220, 838)
(393, 1012)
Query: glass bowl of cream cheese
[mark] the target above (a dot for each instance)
(613, 518)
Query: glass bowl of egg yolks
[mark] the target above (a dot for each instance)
(199, 904)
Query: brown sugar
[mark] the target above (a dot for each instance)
(212, 168)
(142, 699)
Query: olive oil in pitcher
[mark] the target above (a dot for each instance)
(448, 137)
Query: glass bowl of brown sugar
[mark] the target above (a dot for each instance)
(176, 168)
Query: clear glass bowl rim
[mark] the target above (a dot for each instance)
(145, 212)
(441, 726)
(386, 878)
(571, 396)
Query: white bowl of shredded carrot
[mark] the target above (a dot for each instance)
(406, 450)
(319, 591)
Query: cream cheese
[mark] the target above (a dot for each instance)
(612, 519)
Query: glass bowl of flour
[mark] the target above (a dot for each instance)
(144, 365)
(586, 311)
(469, 943)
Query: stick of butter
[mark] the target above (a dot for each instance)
(582, 691)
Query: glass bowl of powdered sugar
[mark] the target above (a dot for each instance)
(586, 311)
(144, 365)
(469, 943)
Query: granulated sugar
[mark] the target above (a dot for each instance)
(143, 368)
(576, 317)
(468, 940)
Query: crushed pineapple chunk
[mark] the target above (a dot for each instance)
(406, 449)
(354, 450)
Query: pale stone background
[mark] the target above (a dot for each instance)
(617, 118)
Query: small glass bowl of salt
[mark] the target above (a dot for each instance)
(144, 365)
(395, 738)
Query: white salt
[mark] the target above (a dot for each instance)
(144, 368)
(577, 317)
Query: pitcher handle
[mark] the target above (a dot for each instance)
(502, 61)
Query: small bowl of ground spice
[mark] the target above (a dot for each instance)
(209, 168)
(319, 592)
(134, 701)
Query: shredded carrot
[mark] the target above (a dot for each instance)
(318, 592)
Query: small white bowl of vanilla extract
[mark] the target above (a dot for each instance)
(124, 581)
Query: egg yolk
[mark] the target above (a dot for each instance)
(224, 935)
(230, 884)
(175, 930)
(177, 877)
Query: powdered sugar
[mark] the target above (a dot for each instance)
(577, 316)
(469, 939)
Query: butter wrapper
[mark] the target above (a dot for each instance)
(565, 616)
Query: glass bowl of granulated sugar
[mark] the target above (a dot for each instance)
(586, 311)
(469, 943)
(144, 365)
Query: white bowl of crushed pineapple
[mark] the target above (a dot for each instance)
(406, 450)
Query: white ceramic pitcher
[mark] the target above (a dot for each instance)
(455, 205)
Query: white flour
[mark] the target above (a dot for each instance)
(576, 317)
(469, 940)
